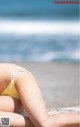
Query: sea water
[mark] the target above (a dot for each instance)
(38, 31)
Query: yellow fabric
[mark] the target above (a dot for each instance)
(11, 90)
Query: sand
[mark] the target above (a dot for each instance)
(59, 82)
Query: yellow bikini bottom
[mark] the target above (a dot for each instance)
(11, 90)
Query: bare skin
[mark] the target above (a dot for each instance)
(31, 99)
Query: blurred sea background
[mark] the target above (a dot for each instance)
(44, 37)
(39, 30)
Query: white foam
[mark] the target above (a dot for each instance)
(75, 55)
(38, 27)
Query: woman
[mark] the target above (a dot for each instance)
(18, 91)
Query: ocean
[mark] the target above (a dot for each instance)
(38, 31)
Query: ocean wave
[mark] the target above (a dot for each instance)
(46, 57)
(38, 27)
(50, 56)
(39, 41)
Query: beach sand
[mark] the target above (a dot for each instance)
(59, 82)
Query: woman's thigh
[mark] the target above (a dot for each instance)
(9, 104)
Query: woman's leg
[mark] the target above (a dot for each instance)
(16, 120)
(34, 105)
(31, 98)
(8, 105)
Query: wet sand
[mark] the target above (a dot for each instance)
(59, 82)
